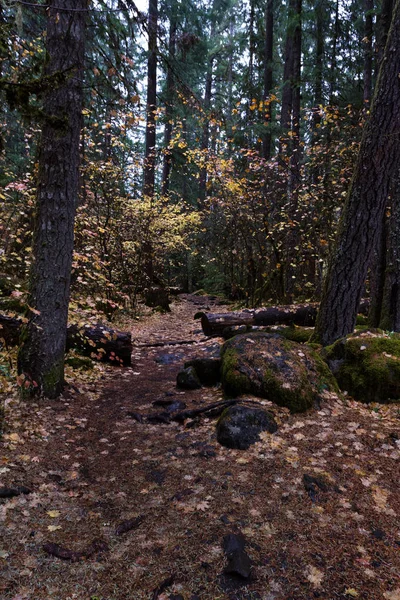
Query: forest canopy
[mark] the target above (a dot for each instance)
(211, 145)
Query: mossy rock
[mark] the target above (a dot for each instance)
(270, 366)
(239, 426)
(367, 366)
(296, 334)
(79, 362)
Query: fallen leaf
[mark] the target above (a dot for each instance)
(203, 506)
(53, 513)
(351, 592)
(380, 496)
(53, 527)
(393, 595)
(315, 576)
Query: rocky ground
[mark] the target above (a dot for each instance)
(121, 509)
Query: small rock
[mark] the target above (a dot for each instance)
(11, 492)
(239, 562)
(168, 359)
(171, 405)
(233, 542)
(239, 426)
(208, 370)
(378, 534)
(187, 379)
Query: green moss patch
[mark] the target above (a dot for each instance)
(79, 362)
(367, 366)
(270, 366)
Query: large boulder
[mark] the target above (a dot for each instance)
(367, 366)
(239, 426)
(267, 365)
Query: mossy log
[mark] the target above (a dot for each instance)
(304, 315)
(98, 342)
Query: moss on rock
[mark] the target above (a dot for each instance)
(367, 366)
(270, 366)
(79, 362)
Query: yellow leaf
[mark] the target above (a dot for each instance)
(53, 527)
(53, 513)
(351, 592)
(380, 496)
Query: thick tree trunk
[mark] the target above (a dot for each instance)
(376, 167)
(41, 355)
(383, 26)
(380, 256)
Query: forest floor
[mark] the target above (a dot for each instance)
(93, 470)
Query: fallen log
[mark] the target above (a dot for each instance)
(304, 315)
(99, 342)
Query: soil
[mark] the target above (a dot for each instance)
(120, 509)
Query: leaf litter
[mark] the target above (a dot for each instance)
(140, 510)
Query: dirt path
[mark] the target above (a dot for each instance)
(93, 471)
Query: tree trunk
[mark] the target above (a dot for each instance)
(151, 103)
(168, 105)
(390, 308)
(379, 259)
(368, 32)
(333, 69)
(383, 26)
(293, 143)
(268, 75)
(206, 128)
(376, 167)
(41, 355)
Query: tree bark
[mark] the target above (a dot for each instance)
(151, 103)
(268, 75)
(168, 105)
(41, 356)
(390, 308)
(291, 121)
(368, 33)
(375, 169)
